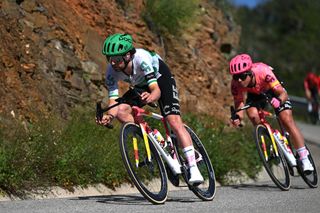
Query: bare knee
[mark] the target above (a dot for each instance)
(287, 120)
(175, 122)
(124, 113)
(255, 119)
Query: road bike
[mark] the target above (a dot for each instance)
(151, 159)
(277, 153)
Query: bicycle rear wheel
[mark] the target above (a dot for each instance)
(150, 178)
(276, 166)
(314, 114)
(205, 191)
(311, 178)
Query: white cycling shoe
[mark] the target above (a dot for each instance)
(195, 176)
(307, 166)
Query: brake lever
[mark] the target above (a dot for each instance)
(99, 115)
(154, 105)
(234, 115)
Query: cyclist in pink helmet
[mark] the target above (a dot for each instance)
(240, 64)
(254, 80)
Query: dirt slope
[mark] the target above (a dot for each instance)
(51, 58)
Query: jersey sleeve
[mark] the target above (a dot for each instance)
(306, 84)
(270, 78)
(111, 83)
(148, 70)
(149, 73)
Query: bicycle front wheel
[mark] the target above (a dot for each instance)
(205, 191)
(275, 164)
(149, 176)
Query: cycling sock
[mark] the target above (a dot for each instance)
(190, 156)
(303, 153)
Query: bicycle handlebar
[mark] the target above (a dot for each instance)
(131, 97)
(267, 98)
(233, 111)
(99, 114)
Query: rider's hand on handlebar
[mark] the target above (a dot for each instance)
(236, 122)
(275, 102)
(146, 97)
(106, 119)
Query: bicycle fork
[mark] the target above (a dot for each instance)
(274, 146)
(146, 144)
(173, 163)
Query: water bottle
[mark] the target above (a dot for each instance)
(159, 138)
(286, 150)
(172, 162)
(291, 157)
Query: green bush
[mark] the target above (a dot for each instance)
(170, 16)
(232, 152)
(77, 152)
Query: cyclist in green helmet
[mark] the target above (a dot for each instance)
(147, 72)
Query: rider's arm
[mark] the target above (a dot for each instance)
(113, 111)
(306, 89)
(238, 105)
(238, 98)
(154, 95)
(150, 78)
(112, 86)
(281, 94)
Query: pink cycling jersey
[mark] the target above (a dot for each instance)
(265, 80)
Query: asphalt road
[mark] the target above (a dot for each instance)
(262, 196)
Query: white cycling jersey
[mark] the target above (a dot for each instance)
(144, 63)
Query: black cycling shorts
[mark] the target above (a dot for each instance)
(260, 102)
(169, 99)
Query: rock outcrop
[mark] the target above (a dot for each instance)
(51, 57)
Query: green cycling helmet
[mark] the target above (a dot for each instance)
(117, 44)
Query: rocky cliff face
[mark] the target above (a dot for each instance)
(51, 57)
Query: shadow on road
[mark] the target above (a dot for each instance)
(117, 199)
(132, 199)
(263, 187)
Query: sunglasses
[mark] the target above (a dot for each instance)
(241, 76)
(115, 60)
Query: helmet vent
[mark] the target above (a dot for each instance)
(108, 47)
(120, 47)
(244, 65)
(112, 48)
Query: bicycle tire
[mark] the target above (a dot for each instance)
(276, 166)
(314, 117)
(310, 179)
(205, 191)
(150, 178)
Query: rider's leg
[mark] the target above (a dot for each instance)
(289, 124)
(184, 138)
(124, 113)
(296, 137)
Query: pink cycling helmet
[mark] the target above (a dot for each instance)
(240, 64)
